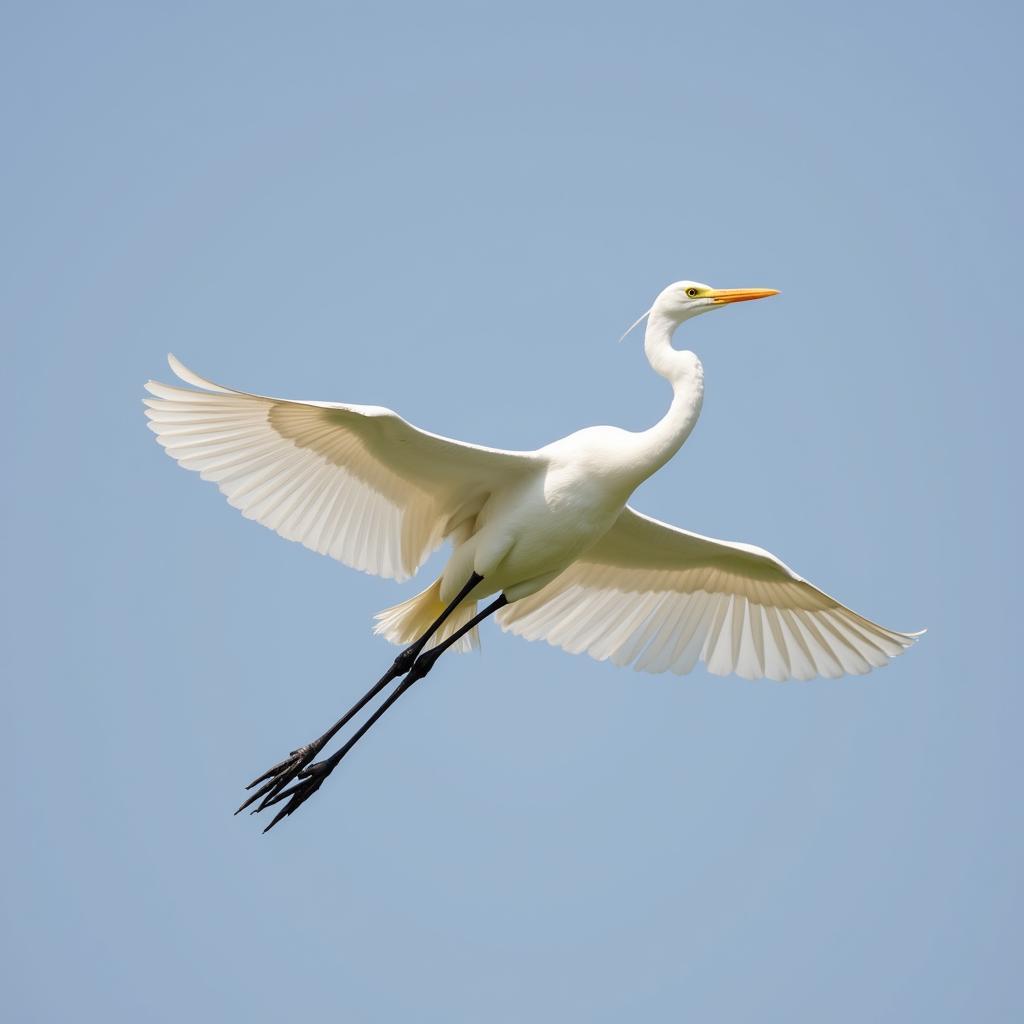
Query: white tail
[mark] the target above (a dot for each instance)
(406, 622)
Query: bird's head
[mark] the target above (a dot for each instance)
(685, 299)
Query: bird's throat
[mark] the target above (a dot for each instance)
(683, 370)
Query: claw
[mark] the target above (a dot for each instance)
(259, 793)
(271, 772)
(276, 798)
(274, 795)
(299, 794)
(283, 813)
(262, 791)
(277, 778)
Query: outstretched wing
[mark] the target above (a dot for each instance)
(354, 482)
(661, 598)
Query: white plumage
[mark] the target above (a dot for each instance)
(550, 529)
(659, 598)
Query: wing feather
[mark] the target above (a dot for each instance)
(358, 483)
(660, 598)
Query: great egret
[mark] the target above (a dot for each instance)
(548, 531)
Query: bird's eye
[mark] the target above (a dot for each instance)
(692, 292)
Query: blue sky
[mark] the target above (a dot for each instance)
(454, 211)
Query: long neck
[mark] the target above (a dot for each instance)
(686, 375)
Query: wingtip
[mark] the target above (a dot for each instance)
(182, 372)
(178, 368)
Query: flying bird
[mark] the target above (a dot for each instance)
(547, 535)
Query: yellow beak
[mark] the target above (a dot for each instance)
(723, 295)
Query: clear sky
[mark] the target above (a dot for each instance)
(454, 210)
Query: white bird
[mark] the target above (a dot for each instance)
(548, 531)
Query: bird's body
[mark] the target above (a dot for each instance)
(550, 531)
(532, 529)
(535, 526)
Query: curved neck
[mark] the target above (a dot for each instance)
(686, 375)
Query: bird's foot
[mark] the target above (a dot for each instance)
(309, 780)
(296, 779)
(275, 779)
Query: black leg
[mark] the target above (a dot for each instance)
(311, 778)
(275, 779)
